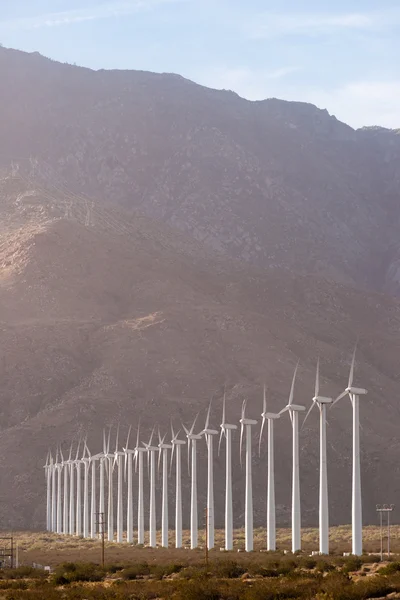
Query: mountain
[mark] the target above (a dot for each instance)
(160, 241)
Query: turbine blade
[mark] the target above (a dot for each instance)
(308, 412)
(342, 395)
(151, 436)
(117, 439)
(220, 440)
(70, 452)
(186, 430)
(265, 399)
(104, 442)
(159, 458)
(244, 408)
(172, 432)
(351, 374)
(125, 465)
(261, 434)
(172, 458)
(316, 391)
(148, 464)
(224, 409)
(128, 436)
(292, 387)
(208, 416)
(135, 456)
(137, 436)
(194, 423)
(285, 409)
(159, 436)
(108, 440)
(188, 456)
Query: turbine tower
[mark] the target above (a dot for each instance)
(354, 394)
(103, 465)
(209, 433)
(163, 452)
(192, 467)
(72, 497)
(139, 450)
(118, 455)
(53, 493)
(86, 462)
(247, 424)
(226, 430)
(110, 503)
(322, 402)
(151, 450)
(93, 499)
(59, 467)
(294, 410)
(78, 463)
(65, 464)
(47, 474)
(128, 476)
(178, 489)
(271, 513)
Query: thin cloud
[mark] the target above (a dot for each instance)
(274, 24)
(103, 11)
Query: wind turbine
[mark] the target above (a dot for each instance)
(271, 515)
(226, 430)
(139, 450)
(246, 424)
(93, 499)
(151, 450)
(356, 510)
(78, 463)
(103, 465)
(192, 439)
(59, 513)
(178, 488)
(72, 499)
(47, 473)
(128, 475)
(118, 455)
(110, 504)
(294, 410)
(86, 462)
(65, 502)
(321, 402)
(163, 451)
(208, 433)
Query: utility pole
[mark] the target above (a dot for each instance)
(385, 508)
(100, 524)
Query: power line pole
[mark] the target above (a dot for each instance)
(385, 508)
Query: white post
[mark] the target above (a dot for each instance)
(65, 503)
(193, 499)
(323, 487)
(140, 500)
(296, 519)
(129, 506)
(228, 492)
(356, 495)
(59, 513)
(72, 523)
(78, 499)
(210, 492)
(120, 511)
(271, 518)
(86, 498)
(110, 524)
(178, 499)
(249, 494)
(164, 510)
(93, 502)
(152, 523)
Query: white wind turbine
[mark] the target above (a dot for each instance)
(178, 487)
(163, 452)
(128, 477)
(59, 501)
(271, 514)
(246, 424)
(354, 394)
(53, 493)
(103, 466)
(86, 462)
(93, 499)
(294, 410)
(78, 463)
(192, 439)
(65, 464)
(139, 451)
(226, 430)
(209, 433)
(118, 456)
(72, 498)
(47, 473)
(151, 450)
(110, 503)
(322, 402)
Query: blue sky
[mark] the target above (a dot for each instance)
(343, 56)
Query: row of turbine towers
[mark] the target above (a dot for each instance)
(68, 513)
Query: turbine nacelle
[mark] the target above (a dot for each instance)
(209, 432)
(194, 436)
(248, 422)
(268, 415)
(293, 407)
(177, 443)
(322, 400)
(228, 426)
(356, 391)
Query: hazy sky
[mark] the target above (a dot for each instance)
(341, 55)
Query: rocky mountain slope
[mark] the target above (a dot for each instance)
(159, 240)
